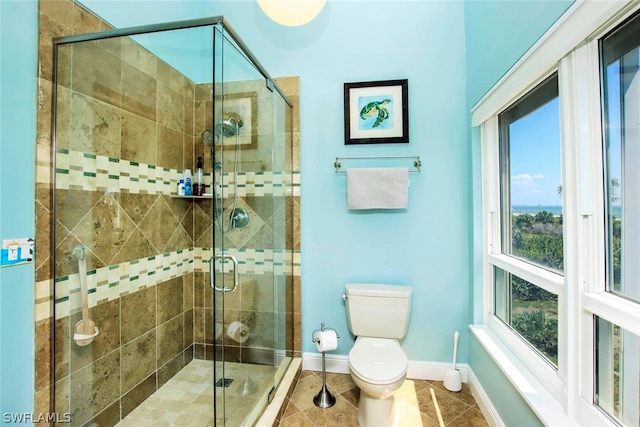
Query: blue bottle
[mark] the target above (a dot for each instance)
(188, 191)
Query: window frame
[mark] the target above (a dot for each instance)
(570, 47)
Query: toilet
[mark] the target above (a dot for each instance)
(378, 316)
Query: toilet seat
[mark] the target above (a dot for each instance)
(378, 360)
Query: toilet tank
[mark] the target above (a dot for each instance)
(378, 311)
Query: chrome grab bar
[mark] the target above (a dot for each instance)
(235, 272)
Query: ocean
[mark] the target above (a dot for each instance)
(554, 210)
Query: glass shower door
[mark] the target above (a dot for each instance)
(248, 237)
(125, 242)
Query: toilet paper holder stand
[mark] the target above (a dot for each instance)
(323, 399)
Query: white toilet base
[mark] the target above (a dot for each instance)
(376, 412)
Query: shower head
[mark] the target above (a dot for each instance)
(225, 128)
(207, 137)
(229, 126)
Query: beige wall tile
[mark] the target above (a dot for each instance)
(49, 29)
(94, 388)
(170, 108)
(59, 10)
(188, 329)
(138, 92)
(139, 313)
(105, 230)
(138, 360)
(96, 73)
(94, 127)
(160, 213)
(137, 246)
(169, 145)
(138, 139)
(107, 319)
(170, 339)
(170, 299)
(138, 394)
(84, 21)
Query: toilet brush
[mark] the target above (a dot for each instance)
(452, 381)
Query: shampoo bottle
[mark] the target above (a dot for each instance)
(198, 188)
(181, 187)
(188, 191)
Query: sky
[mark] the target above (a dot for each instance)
(535, 157)
(535, 149)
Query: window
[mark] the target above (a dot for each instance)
(560, 141)
(531, 215)
(618, 356)
(530, 310)
(530, 169)
(621, 99)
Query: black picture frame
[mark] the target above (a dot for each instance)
(376, 112)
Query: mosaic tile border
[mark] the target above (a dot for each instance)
(252, 261)
(114, 281)
(111, 282)
(90, 172)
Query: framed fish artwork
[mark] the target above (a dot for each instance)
(376, 112)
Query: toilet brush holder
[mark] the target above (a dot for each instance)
(324, 399)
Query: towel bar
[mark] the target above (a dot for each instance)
(416, 162)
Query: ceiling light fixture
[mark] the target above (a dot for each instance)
(292, 13)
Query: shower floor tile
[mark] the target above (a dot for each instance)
(187, 398)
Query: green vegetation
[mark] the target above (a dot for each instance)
(534, 311)
(540, 329)
(535, 316)
(538, 239)
(616, 251)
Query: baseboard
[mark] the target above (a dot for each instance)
(335, 363)
(418, 370)
(488, 410)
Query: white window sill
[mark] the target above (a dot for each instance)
(542, 402)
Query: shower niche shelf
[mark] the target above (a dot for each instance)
(206, 196)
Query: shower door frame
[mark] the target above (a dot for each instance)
(214, 21)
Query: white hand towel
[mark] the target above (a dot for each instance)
(377, 188)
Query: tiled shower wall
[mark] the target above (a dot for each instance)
(144, 247)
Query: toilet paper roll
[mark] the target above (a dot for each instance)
(327, 340)
(238, 331)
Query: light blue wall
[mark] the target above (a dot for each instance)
(425, 246)
(512, 408)
(498, 33)
(18, 56)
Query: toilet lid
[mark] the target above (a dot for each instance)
(377, 360)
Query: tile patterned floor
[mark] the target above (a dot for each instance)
(187, 398)
(415, 405)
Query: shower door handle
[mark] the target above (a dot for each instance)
(235, 272)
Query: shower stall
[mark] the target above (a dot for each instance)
(169, 308)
